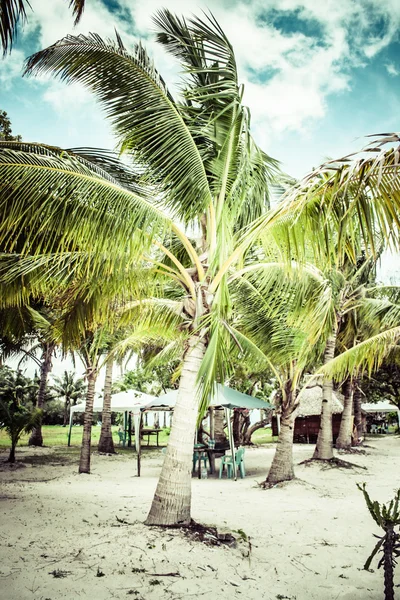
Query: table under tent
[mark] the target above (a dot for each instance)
(376, 412)
(137, 403)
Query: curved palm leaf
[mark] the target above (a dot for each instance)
(11, 12)
(360, 192)
(14, 11)
(365, 356)
(58, 202)
(144, 115)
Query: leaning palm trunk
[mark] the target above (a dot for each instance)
(84, 463)
(343, 441)
(324, 447)
(36, 438)
(282, 464)
(106, 443)
(172, 500)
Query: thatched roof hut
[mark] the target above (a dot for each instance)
(311, 402)
(306, 426)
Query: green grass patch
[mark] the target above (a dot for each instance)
(263, 436)
(57, 435)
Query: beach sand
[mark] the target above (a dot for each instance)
(65, 535)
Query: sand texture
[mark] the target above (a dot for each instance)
(71, 536)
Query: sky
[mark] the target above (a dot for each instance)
(319, 75)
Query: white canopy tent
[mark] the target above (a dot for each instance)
(129, 401)
(137, 402)
(384, 406)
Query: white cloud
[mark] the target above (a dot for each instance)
(11, 69)
(289, 76)
(305, 73)
(392, 69)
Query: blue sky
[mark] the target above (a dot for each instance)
(319, 74)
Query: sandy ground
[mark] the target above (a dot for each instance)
(65, 535)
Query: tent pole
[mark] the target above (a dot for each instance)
(71, 416)
(129, 430)
(138, 429)
(211, 455)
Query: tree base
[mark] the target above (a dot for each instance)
(333, 463)
(267, 485)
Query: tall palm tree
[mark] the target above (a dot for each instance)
(69, 388)
(197, 165)
(13, 12)
(201, 163)
(106, 443)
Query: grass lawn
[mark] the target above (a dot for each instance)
(57, 435)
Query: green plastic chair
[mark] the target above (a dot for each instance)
(121, 435)
(239, 464)
(203, 457)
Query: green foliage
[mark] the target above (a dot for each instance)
(154, 381)
(384, 384)
(6, 128)
(17, 419)
(386, 516)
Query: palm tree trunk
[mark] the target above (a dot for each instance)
(343, 441)
(282, 464)
(219, 431)
(67, 406)
(11, 458)
(357, 408)
(250, 430)
(172, 500)
(36, 438)
(84, 463)
(324, 447)
(106, 443)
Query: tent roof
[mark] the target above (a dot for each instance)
(382, 406)
(224, 396)
(134, 401)
(129, 400)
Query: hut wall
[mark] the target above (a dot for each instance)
(306, 428)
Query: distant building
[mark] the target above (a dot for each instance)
(309, 414)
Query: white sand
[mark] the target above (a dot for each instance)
(310, 538)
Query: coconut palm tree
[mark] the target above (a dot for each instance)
(201, 163)
(69, 388)
(16, 416)
(196, 164)
(13, 12)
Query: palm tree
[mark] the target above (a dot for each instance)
(195, 164)
(26, 330)
(106, 443)
(15, 416)
(268, 335)
(12, 12)
(206, 171)
(70, 389)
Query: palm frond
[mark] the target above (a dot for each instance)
(11, 13)
(78, 7)
(144, 115)
(57, 202)
(366, 356)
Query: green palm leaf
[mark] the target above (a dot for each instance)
(144, 115)
(47, 191)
